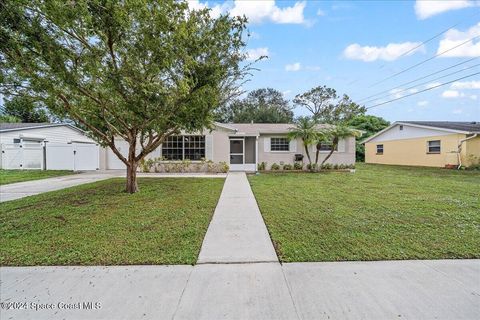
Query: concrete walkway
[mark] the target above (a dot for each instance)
(237, 233)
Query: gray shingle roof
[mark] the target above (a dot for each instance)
(10, 126)
(469, 126)
(264, 128)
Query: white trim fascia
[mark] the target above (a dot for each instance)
(224, 126)
(44, 126)
(413, 125)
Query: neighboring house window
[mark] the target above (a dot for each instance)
(379, 148)
(401, 127)
(434, 146)
(279, 144)
(326, 146)
(16, 140)
(184, 148)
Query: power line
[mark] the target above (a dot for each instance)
(421, 78)
(421, 84)
(427, 89)
(421, 44)
(424, 61)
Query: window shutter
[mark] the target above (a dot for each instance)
(209, 147)
(293, 145)
(266, 144)
(341, 145)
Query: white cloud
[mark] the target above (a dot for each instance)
(267, 10)
(399, 93)
(388, 53)
(457, 111)
(254, 54)
(426, 9)
(293, 67)
(215, 11)
(321, 13)
(466, 85)
(286, 92)
(473, 97)
(256, 11)
(455, 37)
(422, 103)
(450, 94)
(432, 85)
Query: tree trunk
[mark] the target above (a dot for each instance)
(132, 186)
(319, 145)
(308, 154)
(132, 165)
(334, 146)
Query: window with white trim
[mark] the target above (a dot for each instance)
(434, 146)
(379, 148)
(327, 146)
(279, 144)
(184, 148)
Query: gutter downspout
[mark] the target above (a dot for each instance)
(460, 149)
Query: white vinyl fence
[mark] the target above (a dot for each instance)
(59, 156)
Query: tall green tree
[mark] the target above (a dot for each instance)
(141, 70)
(369, 125)
(327, 107)
(265, 105)
(336, 133)
(25, 109)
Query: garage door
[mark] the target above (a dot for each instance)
(113, 163)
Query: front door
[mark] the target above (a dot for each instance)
(237, 154)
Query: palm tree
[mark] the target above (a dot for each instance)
(337, 133)
(305, 130)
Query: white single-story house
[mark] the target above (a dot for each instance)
(53, 146)
(241, 145)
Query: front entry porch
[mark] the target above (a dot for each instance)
(243, 153)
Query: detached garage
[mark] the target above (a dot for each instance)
(47, 146)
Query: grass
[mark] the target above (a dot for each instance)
(12, 176)
(378, 213)
(99, 224)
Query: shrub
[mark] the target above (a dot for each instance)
(287, 167)
(311, 166)
(262, 166)
(335, 167)
(342, 166)
(223, 167)
(298, 166)
(275, 167)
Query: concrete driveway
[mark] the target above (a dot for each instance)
(29, 188)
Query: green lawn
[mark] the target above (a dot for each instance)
(98, 224)
(12, 176)
(378, 213)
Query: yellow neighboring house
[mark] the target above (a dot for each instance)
(426, 143)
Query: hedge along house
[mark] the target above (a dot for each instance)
(241, 146)
(425, 143)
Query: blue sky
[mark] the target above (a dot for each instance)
(351, 45)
